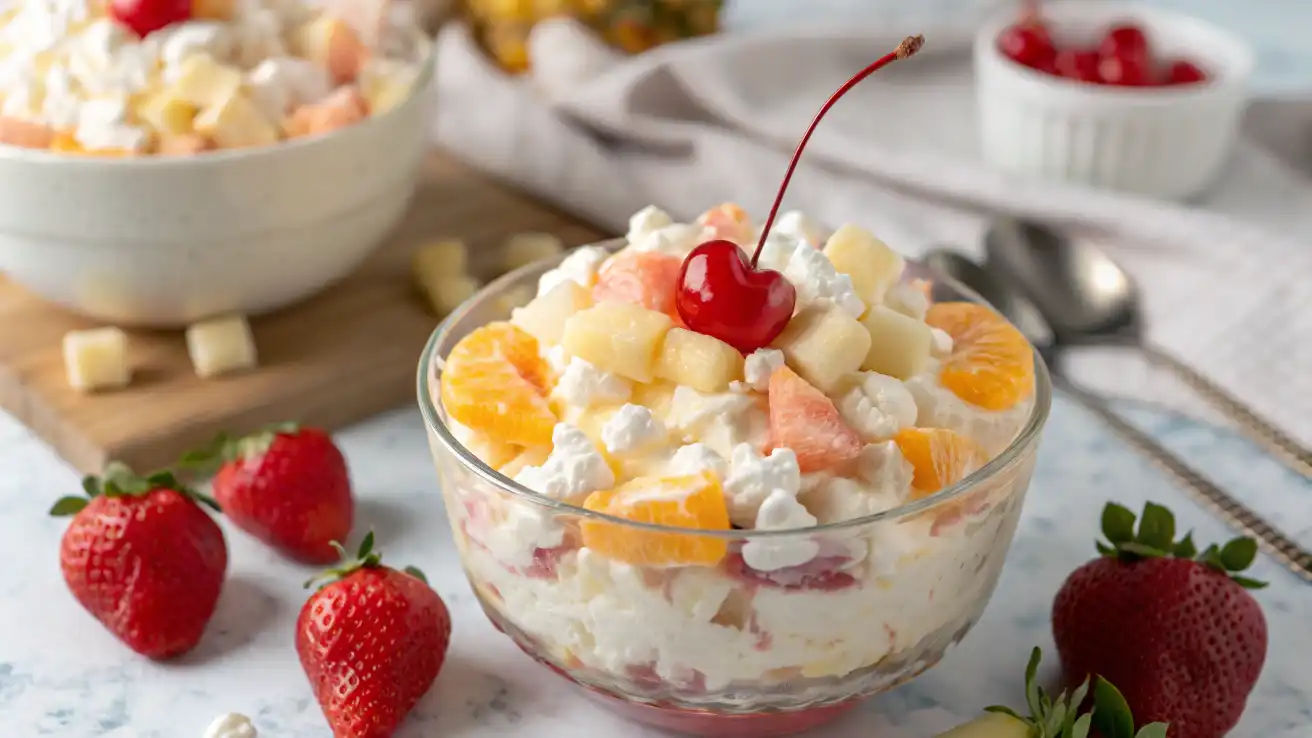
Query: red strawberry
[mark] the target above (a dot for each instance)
(1176, 630)
(288, 486)
(144, 559)
(372, 641)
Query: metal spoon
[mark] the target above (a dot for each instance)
(1088, 299)
(1017, 308)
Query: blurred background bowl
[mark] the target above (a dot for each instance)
(1168, 142)
(166, 241)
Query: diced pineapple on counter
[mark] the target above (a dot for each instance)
(503, 26)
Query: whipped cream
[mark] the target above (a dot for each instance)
(573, 469)
(781, 511)
(939, 407)
(580, 266)
(721, 420)
(583, 385)
(813, 276)
(878, 406)
(753, 477)
(696, 458)
(282, 83)
(631, 428)
(759, 365)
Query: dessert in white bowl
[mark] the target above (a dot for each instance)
(714, 533)
(166, 241)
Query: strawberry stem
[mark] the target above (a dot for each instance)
(364, 558)
(1155, 538)
(224, 448)
(910, 45)
(118, 480)
(1061, 716)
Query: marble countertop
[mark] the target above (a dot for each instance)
(61, 675)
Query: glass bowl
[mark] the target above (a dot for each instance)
(727, 650)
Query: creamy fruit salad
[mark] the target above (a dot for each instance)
(134, 77)
(598, 394)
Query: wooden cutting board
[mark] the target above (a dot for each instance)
(336, 359)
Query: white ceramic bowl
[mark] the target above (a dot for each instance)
(1168, 142)
(165, 241)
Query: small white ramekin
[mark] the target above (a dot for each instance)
(1166, 142)
(162, 241)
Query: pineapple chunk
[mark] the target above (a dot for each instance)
(872, 266)
(168, 114)
(530, 456)
(823, 344)
(702, 362)
(658, 397)
(618, 337)
(235, 122)
(899, 345)
(445, 294)
(446, 258)
(990, 725)
(523, 249)
(513, 299)
(203, 82)
(545, 316)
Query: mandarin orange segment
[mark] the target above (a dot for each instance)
(939, 457)
(494, 381)
(991, 365)
(695, 502)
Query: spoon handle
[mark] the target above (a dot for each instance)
(1233, 512)
(1260, 430)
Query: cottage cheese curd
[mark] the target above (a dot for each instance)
(658, 425)
(75, 79)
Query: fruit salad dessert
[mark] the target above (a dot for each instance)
(732, 483)
(137, 77)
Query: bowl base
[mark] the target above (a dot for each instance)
(718, 724)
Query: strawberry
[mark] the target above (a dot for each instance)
(143, 558)
(286, 485)
(1062, 716)
(371, 640)
(1175, 629)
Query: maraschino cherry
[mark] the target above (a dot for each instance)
(145, 17)
(722, 295)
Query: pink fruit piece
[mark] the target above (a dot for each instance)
(25, 134)
(344, 107)
(641, 278)
(803, 419)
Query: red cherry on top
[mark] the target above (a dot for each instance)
(1182, 72)
(147, 16)
(721, 295)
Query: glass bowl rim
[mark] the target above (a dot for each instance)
(1008, 457)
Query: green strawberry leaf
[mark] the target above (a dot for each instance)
(1238, 554)
(365, 558)
(1004, 710)
(1152, 730)
(416, 573)
(1104, 549)
(65, 506)
(1117, 523)
(1032, 693)
(1080, 728)
(91, 485)
(366, 546)
(1185, 548)
(1156, 527)
(1248, 583)
(1141, 550)
(1111, 714)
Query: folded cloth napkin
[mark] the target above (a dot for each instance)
(693, 124)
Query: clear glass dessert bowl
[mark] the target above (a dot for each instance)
(723, 649)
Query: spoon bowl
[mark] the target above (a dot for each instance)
(1083, 294)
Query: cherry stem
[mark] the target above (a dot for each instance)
(909, 46)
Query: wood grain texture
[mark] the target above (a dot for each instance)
(333, 360)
